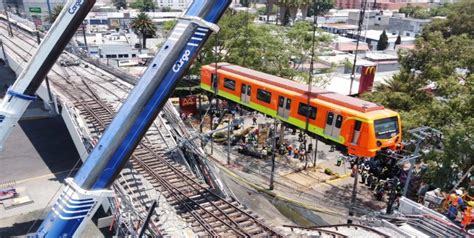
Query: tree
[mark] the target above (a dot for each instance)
(168, 25)
(120, 4)
(299, 36)
(435, 87)
(382, 44)
(320, 7)
(397, 41)
(138, 4)
(55, 12)
(143, 26)
(244, 43)
(267, 48)
(307, 7)
(143, 5)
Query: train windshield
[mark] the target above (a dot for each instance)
(386, 128)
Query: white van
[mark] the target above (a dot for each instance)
(127, 63)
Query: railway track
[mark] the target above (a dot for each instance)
(207, 213)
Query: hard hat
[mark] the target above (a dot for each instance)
(458, 192)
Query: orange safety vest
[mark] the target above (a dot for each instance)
(467, 216)
(453, 199)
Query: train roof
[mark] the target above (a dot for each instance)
(322, 94)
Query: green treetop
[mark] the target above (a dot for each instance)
(382, 44)
(435, 87)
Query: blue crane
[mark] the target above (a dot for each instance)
(84, 193)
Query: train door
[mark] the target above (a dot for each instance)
(284, 105)
(333, 125)
(245, 93)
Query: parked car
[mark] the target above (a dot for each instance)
(69, 62)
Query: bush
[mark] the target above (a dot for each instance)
(328, 171)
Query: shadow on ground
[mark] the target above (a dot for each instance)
(20, 229)
(52, 141)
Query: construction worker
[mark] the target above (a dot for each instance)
(454, 203)
(468, 215)
(290, 149)
(339, 161)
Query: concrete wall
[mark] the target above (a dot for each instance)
(76, 135)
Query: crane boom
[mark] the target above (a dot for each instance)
(82, 195)
(23, 90)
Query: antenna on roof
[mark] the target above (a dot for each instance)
(363, 6)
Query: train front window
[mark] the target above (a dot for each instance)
(386, 128)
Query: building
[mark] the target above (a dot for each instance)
(373, 19)
(407, 26)
(372, 37)
(173, 4)
(385, 61)
(381, 4)
(338, 28)
(36, 11)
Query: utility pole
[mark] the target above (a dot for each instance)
(3, 51)
(315, 152)
(212, 128)
(48, 87)
(200, 112)
(310, 78)
(38, 37)
(272, 175)
(229, 125)
(49, 12)
(84, 35)
(359, 29)
(10, 31)
(354, 192)
(215, 84)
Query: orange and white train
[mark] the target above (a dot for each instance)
(356, 126)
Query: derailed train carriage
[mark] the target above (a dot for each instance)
(355, 126)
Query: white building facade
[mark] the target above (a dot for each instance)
(173, 4)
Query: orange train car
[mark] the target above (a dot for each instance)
(356, 126)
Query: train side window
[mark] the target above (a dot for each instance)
(303, 111)
(329, 118)
(288, 104)
(356, 133)
(249, 89)
(357, 126)
(338, 121)
(264, 96)
(229, 84)
(281, 101)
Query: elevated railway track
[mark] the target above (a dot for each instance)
(95, 96)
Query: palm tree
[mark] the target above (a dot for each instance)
(143, 25)
(55, 12)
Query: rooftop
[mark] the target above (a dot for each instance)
(340, 26)
(351, 46)
(381, 56)
(375, 35)
(340, 58)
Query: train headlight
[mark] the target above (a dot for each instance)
(379, 143)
